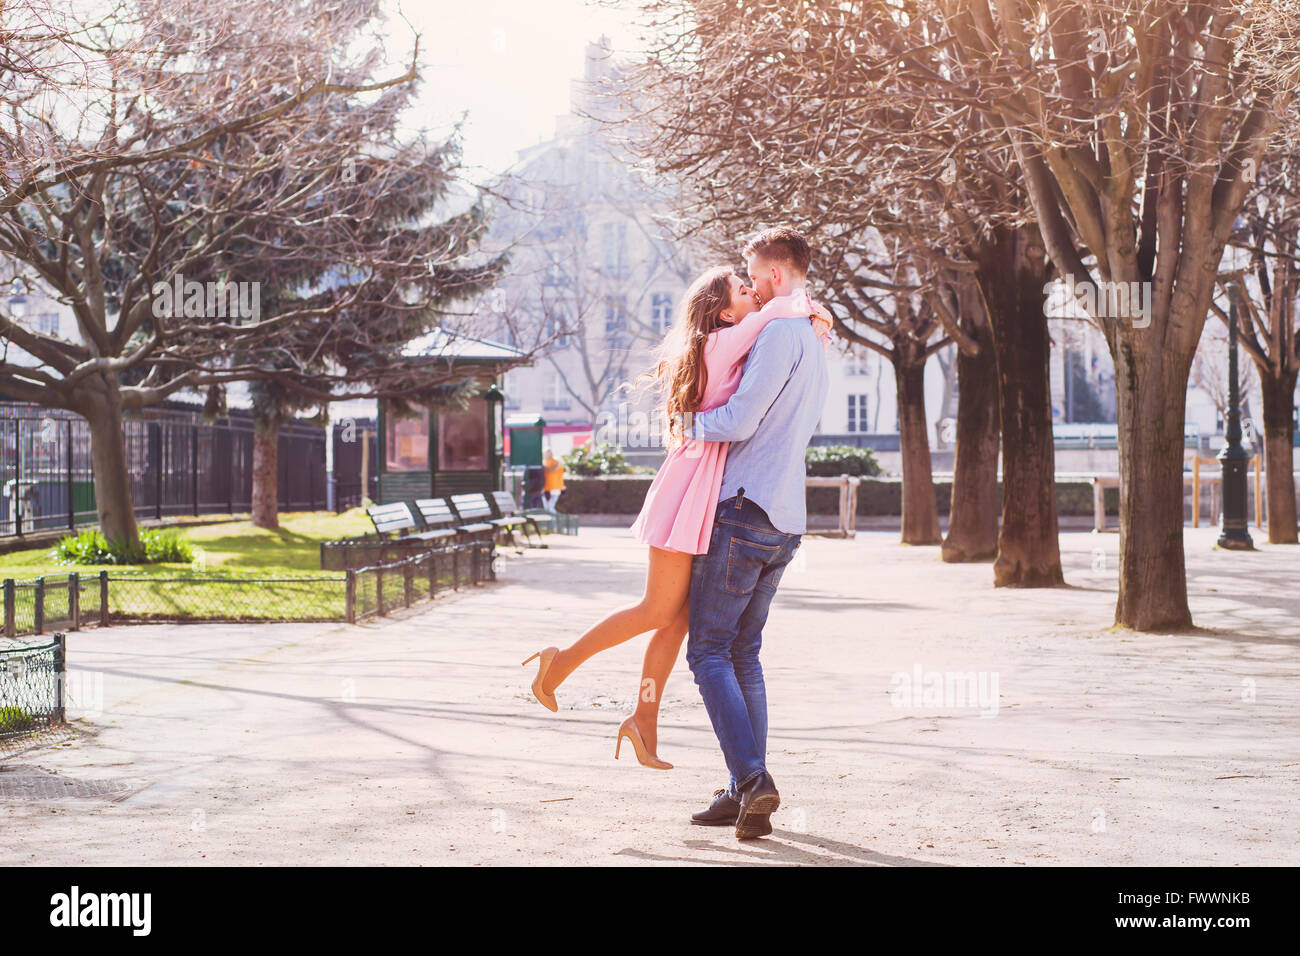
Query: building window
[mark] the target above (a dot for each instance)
(614, 240)
(556, 330)
(856, 364)
(557, 396)
(463, 437)
(661, 311)
(857, 421)
(555, 276)
(48, 322)
(406, 442)
(616, 320)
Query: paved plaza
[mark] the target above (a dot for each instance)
(918, 717)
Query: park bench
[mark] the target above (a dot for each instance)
(400, 519)
(509, 515)
(392, 519)
(478, 507)
(440, 519)
(473, 513)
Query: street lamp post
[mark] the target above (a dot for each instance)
(1233, 457)
(496, 404)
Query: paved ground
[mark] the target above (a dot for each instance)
(415, 741)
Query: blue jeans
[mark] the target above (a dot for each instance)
(731, 589)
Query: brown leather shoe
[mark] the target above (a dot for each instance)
(758, 801)
(722, 811)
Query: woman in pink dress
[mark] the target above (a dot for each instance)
(703, 359)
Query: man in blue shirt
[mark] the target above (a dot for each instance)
(760, 518)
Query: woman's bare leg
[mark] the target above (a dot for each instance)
(660, 656)
(668, 581)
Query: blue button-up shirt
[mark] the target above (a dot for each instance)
(769, 421)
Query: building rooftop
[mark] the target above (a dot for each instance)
(441, 344)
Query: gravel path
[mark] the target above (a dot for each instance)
(918, 717)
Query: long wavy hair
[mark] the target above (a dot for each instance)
(679, 372)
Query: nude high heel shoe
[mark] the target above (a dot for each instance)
(629, 730)
(547, 654)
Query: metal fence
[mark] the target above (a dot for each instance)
(71, 601)
(370, 549)
(32, 680)
(385, 587)
(177, 466)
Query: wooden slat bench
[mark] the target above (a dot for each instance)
(477, 507)
(439, 518)
(503, 502)
(472, 512)
(392, 519)
(400, 519)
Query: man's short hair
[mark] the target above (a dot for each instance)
(781, 244)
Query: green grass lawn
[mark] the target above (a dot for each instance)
(222, 551)
(228, 548)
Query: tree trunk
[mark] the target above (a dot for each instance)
(1279, 396)
(266, 473)
(973, 518)
(103, 413)
(920, 507)
(1152, 566)
(1011, 276)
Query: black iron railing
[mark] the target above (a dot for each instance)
(176, 464)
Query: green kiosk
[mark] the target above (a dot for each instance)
(526, 437)
(447, 450)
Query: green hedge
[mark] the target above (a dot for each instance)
(606, 495)
(836, 460)
(624, 494)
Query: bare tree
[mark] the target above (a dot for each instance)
(1138, 125)
(879, 304)
(973, 514)
(1210, 368)
(208, 153)
(842, 116)
(1269, 327)
(756, 116)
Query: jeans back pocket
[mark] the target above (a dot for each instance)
(746, 562)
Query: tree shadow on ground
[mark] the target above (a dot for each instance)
(782, 848)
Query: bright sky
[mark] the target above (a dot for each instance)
(507, 62)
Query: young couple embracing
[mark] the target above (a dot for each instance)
(743, 378)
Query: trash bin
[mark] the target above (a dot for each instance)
(534, 483)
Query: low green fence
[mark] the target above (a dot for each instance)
(71, 601)
(368, 550)
(385, 587)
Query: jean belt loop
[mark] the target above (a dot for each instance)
(740, 498)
